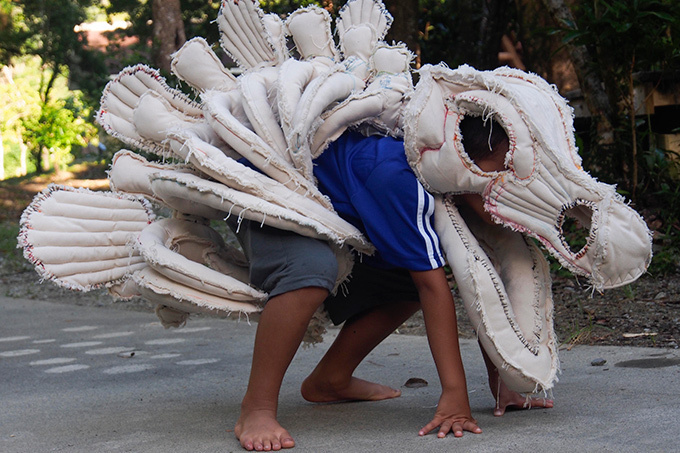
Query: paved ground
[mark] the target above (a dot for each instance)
(86, 379)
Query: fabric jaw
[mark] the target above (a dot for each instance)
(505, 285)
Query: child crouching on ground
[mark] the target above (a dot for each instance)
(371, 185)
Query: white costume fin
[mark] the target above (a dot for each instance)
(245, 37)
(310, 29)
(257, 89)
(79, 238)
(196, 64)
(360, 25)
(121, 96)
(178, 248)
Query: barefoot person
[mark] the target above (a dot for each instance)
(371, 185)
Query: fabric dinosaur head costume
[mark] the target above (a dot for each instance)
(544, 183)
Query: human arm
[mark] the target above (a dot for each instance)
(453, 411)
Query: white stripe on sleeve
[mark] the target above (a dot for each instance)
(425, 211)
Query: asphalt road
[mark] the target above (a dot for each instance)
(88, 379)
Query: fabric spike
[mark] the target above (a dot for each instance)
(249, 145)
(121, 96)
(321, 93)
(310, 28)
(196, 64)
(255, 88)
(360, 25)
(243, 34)
(356, 12)
(313, 223)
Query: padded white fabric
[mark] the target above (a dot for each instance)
(321, 93)
(162, 290)
(180, 250)
(544, 181)
(244, 35)
(121, 96)
(236, 203)
(360, 26)
(196, 53)
(505, 287)
(79, 238)
(244, 141)
(310, 29)
(259, 106)
(379, 105)
(129, 173)
(237, 176)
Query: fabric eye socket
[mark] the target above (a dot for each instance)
(575, 224)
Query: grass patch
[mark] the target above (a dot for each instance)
(11, 258)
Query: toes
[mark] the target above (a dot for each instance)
(541, 402)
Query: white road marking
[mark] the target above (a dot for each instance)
(192, 329)
(162, 341)
(112, 335)
(129, 368)
(82, 344)
(198, 362)
(111, 350)
(164, 356)
(66, 368)
(54, 361)
(49, 340)
(8, 339)
(80, 329)
(19, 353)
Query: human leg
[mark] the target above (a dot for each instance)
(332, 379)
(275, 345)
(368, 309)
(298, 273)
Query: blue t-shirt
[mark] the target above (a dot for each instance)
(372, 186)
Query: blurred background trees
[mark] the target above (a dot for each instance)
(617, 61)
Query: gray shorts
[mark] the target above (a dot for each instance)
(283, 261)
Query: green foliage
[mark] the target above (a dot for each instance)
(56, 126)
(12, 34)
(625, 33)
(626, 38)
(11, 258)
(633, 42)
(57, 129)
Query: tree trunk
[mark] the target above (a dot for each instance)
(168, 31)
(591, 83)
(44, 160)
(405, 26)
(23, 157)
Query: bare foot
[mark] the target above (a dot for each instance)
(319, 390)
(507, 399)
(258, 430)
